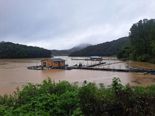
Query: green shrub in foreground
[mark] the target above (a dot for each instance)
(65, 99)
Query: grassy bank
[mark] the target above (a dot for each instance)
(65, 99)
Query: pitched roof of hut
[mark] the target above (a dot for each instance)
(57, 59)
(54, 59)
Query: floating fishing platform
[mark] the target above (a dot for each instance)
(35, 67)
(91, 58)
(46, 68)
(95, 58)
(95, 69)
(80, 59)
(55, 63)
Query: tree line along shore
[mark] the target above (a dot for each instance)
(63, 98)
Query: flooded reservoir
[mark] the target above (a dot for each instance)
(14, 73)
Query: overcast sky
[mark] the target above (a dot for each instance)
(62, 24)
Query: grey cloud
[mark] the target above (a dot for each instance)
(64, 23)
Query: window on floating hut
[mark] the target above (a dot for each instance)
(44, 64)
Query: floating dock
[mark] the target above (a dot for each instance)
(89, 59)
(118, 70)
(93, 67)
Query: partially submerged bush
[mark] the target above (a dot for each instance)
(63, 98)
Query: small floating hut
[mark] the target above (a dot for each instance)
(53, 63)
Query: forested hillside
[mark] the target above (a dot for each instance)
(105, 49)
(11, 50)
(142, 42)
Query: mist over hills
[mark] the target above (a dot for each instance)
(69, 51)
(12, 50)
(104, 49)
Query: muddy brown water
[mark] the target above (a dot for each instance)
(14, 73)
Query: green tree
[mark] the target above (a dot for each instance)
(142, 38)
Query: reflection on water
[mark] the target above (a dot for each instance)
(14, 73)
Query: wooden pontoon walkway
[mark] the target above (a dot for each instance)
(117, 70)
